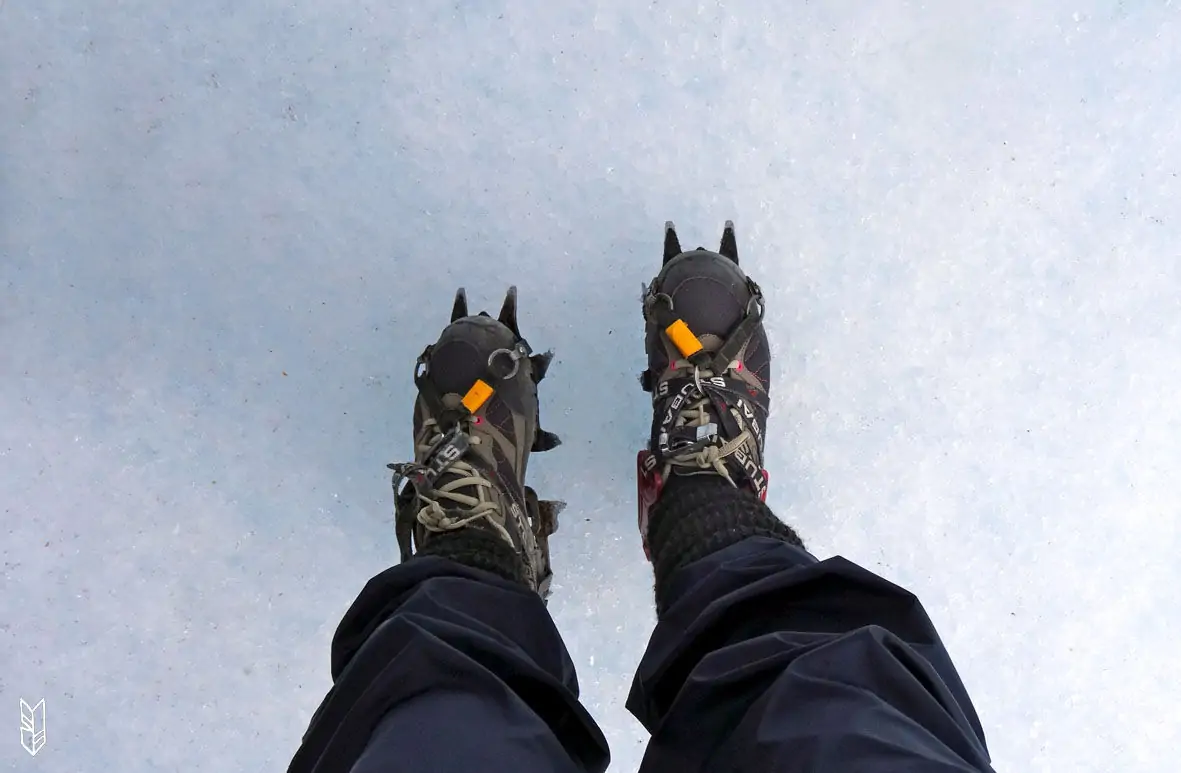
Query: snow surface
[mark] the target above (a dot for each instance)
(228, 228)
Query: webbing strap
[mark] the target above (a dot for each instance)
(743, 331)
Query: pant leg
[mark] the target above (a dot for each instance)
(765, 659)
(438, 666)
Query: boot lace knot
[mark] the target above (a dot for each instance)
(466, 507)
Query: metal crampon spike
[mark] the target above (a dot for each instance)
(545, 441)
(672, 245)
(459, 308)
(729, 248)
(541, 364)
(547, 511)
(508, 312)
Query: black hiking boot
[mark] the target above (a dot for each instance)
(709, 372)
(475, 424)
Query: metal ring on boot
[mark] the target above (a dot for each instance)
(512, 354)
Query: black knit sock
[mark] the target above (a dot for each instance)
(699, 514)
(478, 549)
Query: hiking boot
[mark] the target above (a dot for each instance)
(709, 372)
(475, 424)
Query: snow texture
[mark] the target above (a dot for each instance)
(228, 228)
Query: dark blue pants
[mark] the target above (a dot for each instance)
(767, 660)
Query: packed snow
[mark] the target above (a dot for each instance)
(227, 229)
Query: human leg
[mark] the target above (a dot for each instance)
(764, 658)
(450, 660)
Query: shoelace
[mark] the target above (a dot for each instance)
(697, 414)
(434, 517)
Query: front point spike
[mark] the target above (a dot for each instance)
(508, 312)
(672, 245)
(459, 308)
(729, 246)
